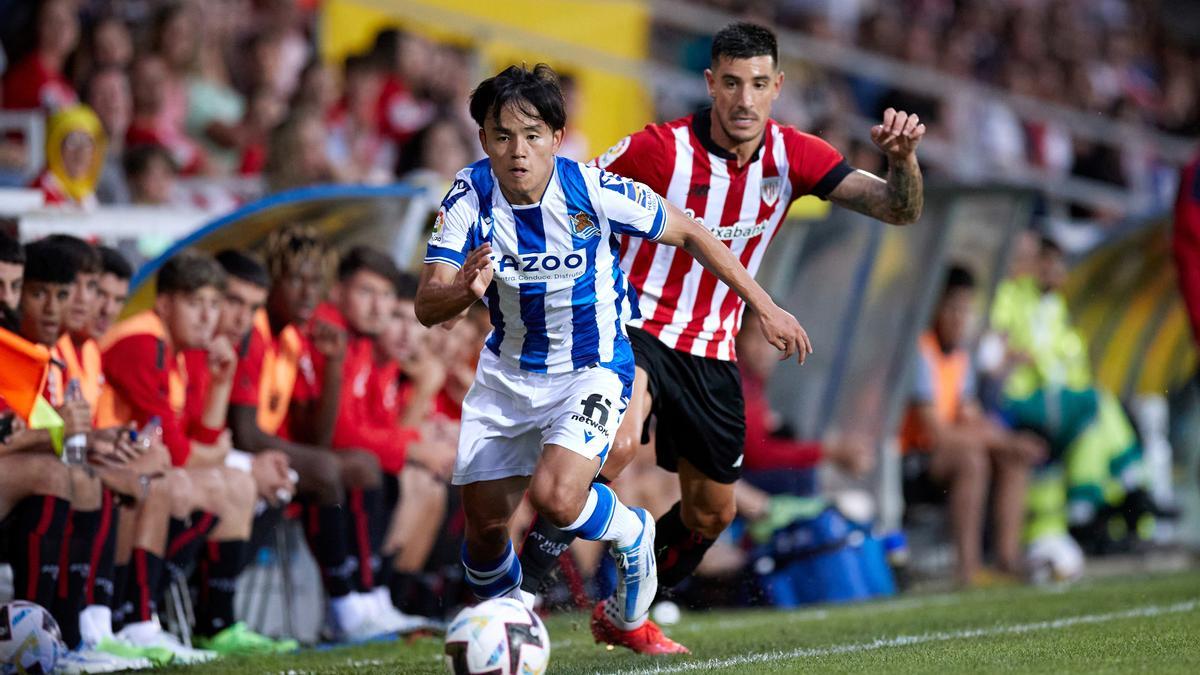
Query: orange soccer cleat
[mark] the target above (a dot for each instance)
(646, 639)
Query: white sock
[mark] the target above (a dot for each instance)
(95, 624)
(614, 615)
(605, 518)
(625, 527)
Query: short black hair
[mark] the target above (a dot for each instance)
(958, 277)
(365, 258)
(189, 271)
(114, 263)
(406, 284)
(138, 158)
(744, 40)
(244, 266)
(45, 263)
(534, 92)
(84, 255)
(10, 250)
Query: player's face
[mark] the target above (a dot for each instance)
(295, 297)
(111, 295)
(242, 300)
(43, 310)
(367, 299)
(191, 318)
(522, 152)
(1051, 270)
(742, 92)
(403, 333)
(85, 302)
(10, 284)
(954, 316)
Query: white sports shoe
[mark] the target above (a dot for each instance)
(637, 571)
(151, 634)
(92, 661)
(385, 614)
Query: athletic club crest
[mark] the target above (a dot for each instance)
(771, 187)
(583, 226)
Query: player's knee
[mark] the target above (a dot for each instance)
(974, 465)
(183, 494)
(709, 520)
(240, 490)
(321, 477)
(556, 500)
(54, 479)
(360, 469)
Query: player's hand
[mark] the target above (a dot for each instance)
(270, 471)
(329, 340)
(76, 416)
(899, 134)
(222, 360)
(476, 273)
(784, 333)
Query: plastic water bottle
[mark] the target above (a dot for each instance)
(75, 447)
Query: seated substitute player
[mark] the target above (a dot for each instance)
(737, 172)
(113, 290)
(951, 448)
(533, 234)
(12, 269)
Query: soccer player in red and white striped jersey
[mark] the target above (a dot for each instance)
(736, 171)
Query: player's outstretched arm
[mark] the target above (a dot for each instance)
(900, 198)
(779, 328)
(445, 292)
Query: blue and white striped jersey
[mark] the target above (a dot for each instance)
(558, 298)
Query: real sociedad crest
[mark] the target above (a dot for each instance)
(771, 187)
(583, 226)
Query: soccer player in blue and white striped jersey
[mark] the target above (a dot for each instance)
(536, 237)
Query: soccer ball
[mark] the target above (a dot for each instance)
(30, 641)
(1055, 558)
(497, 637)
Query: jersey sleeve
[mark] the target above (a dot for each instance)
(645, 156)
(631, 207)
(449, 243)
(814, 166)
(136, 368)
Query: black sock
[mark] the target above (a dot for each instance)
(79, 539)
(677, 549)
(219, 571)
(365, 507)
(543, 545)
(145, 578)
(38, 524)
(120, 605)
(186, 538)
(326, 529)
(101, 587)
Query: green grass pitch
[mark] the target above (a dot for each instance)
(1149, 624)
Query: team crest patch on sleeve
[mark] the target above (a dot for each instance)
(439, 224)
(770, 190)
(613, 153)
(583, 226)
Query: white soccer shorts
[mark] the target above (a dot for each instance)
(510, 414)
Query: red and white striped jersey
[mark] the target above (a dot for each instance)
(680, 302)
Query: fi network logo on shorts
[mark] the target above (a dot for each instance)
(595, 403)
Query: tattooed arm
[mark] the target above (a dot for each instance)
(900, 198)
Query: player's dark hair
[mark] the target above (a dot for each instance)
(114, 263)
(10, 250)
(366, 259)
(244, 266)
(406, 285)
(289, 248)
(744, 40)
(958, 278)
(45, 263)
(533, 92)
(189, 271)
(138, 159)
(84, 256)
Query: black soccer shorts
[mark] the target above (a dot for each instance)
(697, 407)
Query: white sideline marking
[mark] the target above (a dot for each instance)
(907, 640)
